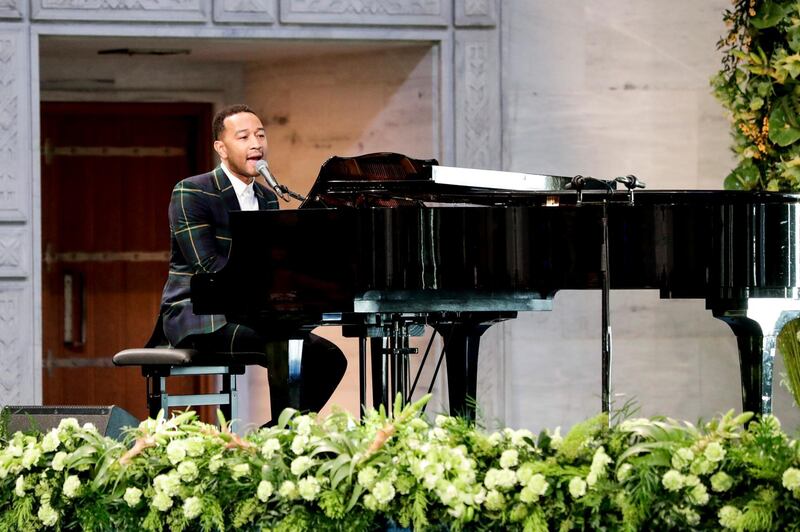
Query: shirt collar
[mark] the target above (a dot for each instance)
(239, 187)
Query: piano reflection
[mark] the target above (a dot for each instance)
(385, 243)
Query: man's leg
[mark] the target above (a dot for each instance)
(322, 368)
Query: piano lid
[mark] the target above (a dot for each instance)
(472, 177)
(393, 179)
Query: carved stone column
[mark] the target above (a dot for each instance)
(19, 372)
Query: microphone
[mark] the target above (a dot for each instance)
(263, 168)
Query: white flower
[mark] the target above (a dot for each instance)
(494, 500)
(50, 442)
(509, 459)
(721, 481)
(527, 495)
(691, 480)
(556, 439)
(367, 476)
(673, 480)
(176, 451)
(714, 452)
(167, 484)
(495, 438)
(538, 484)
(187, 471)
(47, 515)
(370, 503)
(132, 496)
(71, 486)
(699, 495)
(264, 491)
(215, 463)
(438, 434)
(791, 479)
(441, 420)
(162, 501)
(194, 446)
(299, 444)
(20, 487)
(692, 517)
(31, 456)
(682, 458)
(519, 437)
(68, 423)
(499, 478)
(240, 470)
(270, 447)
(446, 491)
(89, 427)
(59, 461)
(288, 490)
(192, 507)
(303, 425)
(577, 487)
(300, 465)
(729, 517)
(383, 492)
(308, 488)
(525, 473)
(599, 461)
(624, 472)
(457, 511)
(702, 466)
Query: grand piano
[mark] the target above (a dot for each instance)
(381, 248)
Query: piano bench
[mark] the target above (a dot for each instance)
(159, 363)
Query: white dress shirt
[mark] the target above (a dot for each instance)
(246, 194)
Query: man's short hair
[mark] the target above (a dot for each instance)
(218, 124)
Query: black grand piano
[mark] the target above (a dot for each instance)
(380, 248)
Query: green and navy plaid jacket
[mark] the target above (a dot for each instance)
(200, 242)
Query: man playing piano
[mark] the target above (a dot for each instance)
(200, 242)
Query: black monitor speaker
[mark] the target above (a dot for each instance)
(109, 420)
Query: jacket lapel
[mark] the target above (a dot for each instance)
(266, 199)
(226, 191)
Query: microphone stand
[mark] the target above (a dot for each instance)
(287, 192)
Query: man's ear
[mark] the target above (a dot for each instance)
(219, 147)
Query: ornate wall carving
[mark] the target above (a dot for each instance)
(476, 12)
(13, 255)
(16, 379)
(244, 11)
(129, 10)
(477, 100)
(13, 185)
(367, 12)
(10, 9)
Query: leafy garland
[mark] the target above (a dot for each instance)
(339, 474)
(758, 84)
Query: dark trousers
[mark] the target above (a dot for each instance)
(321, 369)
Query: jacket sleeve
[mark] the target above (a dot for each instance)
(193, 226)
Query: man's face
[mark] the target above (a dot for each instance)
(243, 142)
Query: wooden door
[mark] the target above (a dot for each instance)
(107, 173)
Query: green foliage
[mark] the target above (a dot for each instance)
(337, 474)
(759, 84)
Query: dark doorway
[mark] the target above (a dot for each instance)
(107, 173)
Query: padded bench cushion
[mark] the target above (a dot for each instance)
(159, 356)
(154, 356)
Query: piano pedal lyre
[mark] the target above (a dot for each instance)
(391, 350)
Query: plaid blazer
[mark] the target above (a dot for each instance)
(200, 242)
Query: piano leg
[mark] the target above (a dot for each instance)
(757, 328)
(462, 340)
